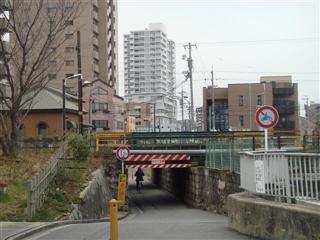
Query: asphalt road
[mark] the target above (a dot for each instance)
(155, 215)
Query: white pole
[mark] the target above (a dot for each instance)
(265, 130)
(266, 139)
(122, 167)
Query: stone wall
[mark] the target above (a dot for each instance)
(99, 191)
(94, 198)
(272, 220)
(199, 187)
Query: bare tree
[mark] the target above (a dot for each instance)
(32, 31)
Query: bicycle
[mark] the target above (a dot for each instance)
(139, 186)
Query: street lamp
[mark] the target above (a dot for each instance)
(80, 84)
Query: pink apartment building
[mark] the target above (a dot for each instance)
(98, 102)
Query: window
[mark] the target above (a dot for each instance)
(100, 123)
(68, 23)
(240, 100)
(52, 76)
(51, 23)
(99, 91)
(99, 106)
(52, 10)
(69, 63)
(241, 120)
(259, 100)
(68, 36)
(51, 63)
(68, 8)
(119, 125)
(69, 49)
(51, 49)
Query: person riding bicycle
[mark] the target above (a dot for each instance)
(139, 177)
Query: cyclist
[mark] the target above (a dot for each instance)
(139, 178)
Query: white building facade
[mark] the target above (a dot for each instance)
(149, 73)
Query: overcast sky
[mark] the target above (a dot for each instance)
(242, 40)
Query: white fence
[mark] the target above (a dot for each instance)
(281, 174)
(38, 186)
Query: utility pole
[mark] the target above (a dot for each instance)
(306, 108)
(190, 66)
(182, 108)
(213, 116)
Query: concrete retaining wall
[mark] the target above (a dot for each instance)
(272, 220)
(199, 187)
(94, 198)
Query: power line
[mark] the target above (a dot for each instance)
(258, 41)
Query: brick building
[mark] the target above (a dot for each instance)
(235, 106)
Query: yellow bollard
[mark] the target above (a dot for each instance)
(113, 219)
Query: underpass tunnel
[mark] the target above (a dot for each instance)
(173, 180)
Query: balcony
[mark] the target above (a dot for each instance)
(96, 55)
(95, 28)
(283, 89)
(96, 68)
(95, 3)
(284, 106)
(95, 42)
(95, 15)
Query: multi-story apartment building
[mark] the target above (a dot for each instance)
(235, 106)
(142, 115)
(90, 45)
(118, 113)
(149, 71)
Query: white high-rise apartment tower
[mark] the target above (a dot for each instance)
(149, 72)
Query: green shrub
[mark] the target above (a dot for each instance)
(79, 148)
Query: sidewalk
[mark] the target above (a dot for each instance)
(19, 230)
(10, 228)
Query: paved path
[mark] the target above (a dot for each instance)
(10, 228)
(155, 215)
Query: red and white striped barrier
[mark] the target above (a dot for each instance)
(159, 166)
(164, 157)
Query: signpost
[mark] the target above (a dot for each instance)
(122, 153)
(266, 117)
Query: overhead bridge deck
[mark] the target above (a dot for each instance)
(183, 140)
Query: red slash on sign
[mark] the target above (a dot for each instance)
(267, 116)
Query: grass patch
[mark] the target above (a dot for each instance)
(66, 188)
(14, 201)
(15, 172)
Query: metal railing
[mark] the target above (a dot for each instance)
(224, 154)
(39, 184)
(281, 174)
